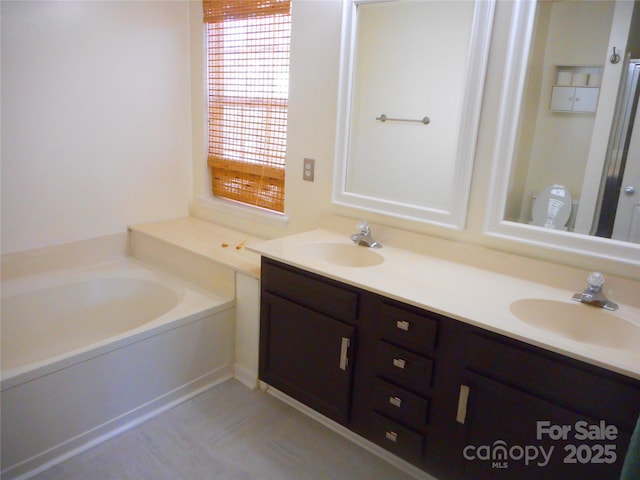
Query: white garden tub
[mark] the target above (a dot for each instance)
(87, 353)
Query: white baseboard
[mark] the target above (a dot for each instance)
(246, 376)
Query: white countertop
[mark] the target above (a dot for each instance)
(474, 285)
(215, 242)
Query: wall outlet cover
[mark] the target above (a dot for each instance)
(308, 171)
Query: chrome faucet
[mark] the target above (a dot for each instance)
(592, 295)
(364, 236)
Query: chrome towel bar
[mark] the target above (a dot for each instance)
(384, 118)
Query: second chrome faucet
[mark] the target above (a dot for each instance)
(593, 295)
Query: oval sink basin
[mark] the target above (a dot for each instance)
(342, 255)
(578, 322)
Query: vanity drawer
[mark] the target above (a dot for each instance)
(304, 288)
(399, 404)
(407, 329)
(395, 437)
(404, 368)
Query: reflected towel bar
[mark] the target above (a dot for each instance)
(384, 118)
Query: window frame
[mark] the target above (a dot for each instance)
(255, 176)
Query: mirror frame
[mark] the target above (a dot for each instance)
(518, 48)
(455, 216)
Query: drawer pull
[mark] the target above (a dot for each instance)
(395, 401)
(344, 350)
(399, 362)
(403, 325)
(391, 435)
(463, 398)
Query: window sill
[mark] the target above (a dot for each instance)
(207, 207)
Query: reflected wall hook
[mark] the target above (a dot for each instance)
(615, 58)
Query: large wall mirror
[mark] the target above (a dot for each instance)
(411, 86)
(568, 138)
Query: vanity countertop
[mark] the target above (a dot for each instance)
(475, 285)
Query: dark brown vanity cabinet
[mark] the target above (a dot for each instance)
(308, 338)
(528, 413)
(457, 401)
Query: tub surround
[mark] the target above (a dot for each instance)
(194, 249)
(64, 256)
(471, 284)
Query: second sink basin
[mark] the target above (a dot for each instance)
(342, 255)
(579, 322)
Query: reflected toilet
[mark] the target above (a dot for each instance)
(552, 208)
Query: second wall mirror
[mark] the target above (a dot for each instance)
(567, 129)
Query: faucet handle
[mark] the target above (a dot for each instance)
(363, 226)
(595, 280)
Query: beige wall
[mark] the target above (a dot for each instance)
(96, 130)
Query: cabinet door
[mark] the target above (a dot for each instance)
(307, 355)
(586, 99)
(500, 437)
(562, 99)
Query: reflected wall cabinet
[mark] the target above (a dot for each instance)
(576, 89)
(574, 99)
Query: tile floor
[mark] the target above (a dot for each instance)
(227, 433)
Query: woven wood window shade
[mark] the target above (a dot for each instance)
(247, 77)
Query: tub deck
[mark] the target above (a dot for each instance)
(52, 321)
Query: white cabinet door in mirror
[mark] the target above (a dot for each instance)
(411, 85)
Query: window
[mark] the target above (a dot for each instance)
(247, 82)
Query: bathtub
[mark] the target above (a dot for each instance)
(89, 352)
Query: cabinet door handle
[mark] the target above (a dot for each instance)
(463, 398)
(344, 350)
(403, 325)
(391, 435)
(399, 363)
(395, 401)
